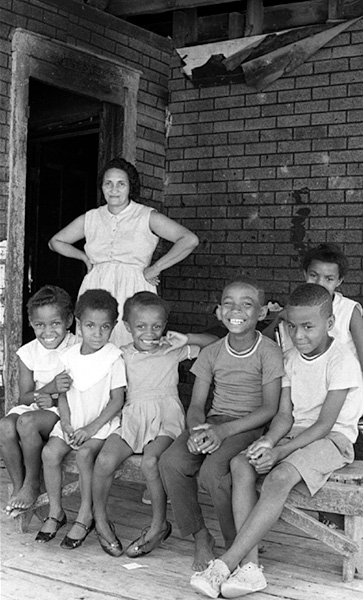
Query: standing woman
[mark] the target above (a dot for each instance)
(121, 237)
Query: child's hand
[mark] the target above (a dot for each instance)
(266, 461)
(206, 438)
(257, 448)
(68, 433)
(174, 340)
(62, 382)
(81, 435)
(43, 400)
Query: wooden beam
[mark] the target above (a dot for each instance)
(235, 25)
(254, 18)
(296, 14)
(185, 27)
(128, 8)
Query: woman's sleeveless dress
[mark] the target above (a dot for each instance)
(119, 247)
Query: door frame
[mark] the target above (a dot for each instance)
(78, 71)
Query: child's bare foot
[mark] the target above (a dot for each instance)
(24, 499)
(204, 549)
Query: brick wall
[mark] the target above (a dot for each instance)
(261, 176)
(76, 24)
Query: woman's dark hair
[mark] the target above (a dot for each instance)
(328, 253)
(131, 172)
(51, 294)
(144, 300)
(97, 300)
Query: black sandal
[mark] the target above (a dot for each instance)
(71, 543)
(45, 536)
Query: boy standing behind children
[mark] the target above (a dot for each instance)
(311, 436)
(327, 265)
(246, 370)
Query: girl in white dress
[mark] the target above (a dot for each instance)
(152, 417)
(121, 237)
(42, 377)
(89, 412)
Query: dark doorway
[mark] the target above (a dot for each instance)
(61, 183)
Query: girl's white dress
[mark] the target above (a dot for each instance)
(94, 376)
(45, 365)
(153, 407)
(120, 247)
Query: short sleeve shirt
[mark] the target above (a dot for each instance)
(311, 380)
(238, 379)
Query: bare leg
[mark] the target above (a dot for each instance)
(204, 544)
(11, 453)
(150, 469)
(113, 453)
(266, 512)
(244, 497)
(53, 453)
(33, 428)
(85, 458)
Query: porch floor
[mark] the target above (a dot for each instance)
(296, 567)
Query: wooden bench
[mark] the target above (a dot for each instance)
(342, 494)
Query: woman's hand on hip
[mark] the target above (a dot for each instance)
(151, 275)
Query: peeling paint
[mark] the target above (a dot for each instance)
(168, 122)
(325, 159)
(253, 216)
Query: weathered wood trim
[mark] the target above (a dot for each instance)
(140, 7)
(254, 18)
(78, 71)
(185, 27)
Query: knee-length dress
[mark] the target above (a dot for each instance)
(94, 376)
(120, 247)
(153, 406)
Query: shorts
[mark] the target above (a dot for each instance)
(318, 460)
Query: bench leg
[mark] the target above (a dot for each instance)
(353, 528)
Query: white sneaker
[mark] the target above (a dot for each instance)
(209, 582)
(244, 580)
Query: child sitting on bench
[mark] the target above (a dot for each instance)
(311, 436)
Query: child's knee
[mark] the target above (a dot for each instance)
(25, 424)
(50, 455)
(241, 468)
(84, 455)
(149, 466)
(105, 464)
(278, 481)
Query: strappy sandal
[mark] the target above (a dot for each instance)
(44, 536)
(71, 543)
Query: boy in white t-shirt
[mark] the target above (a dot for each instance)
(311, 436)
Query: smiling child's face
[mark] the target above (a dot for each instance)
(146, 325)
(240, 308)
(50, 325)
(308, 328)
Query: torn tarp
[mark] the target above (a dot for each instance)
(258, 60)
